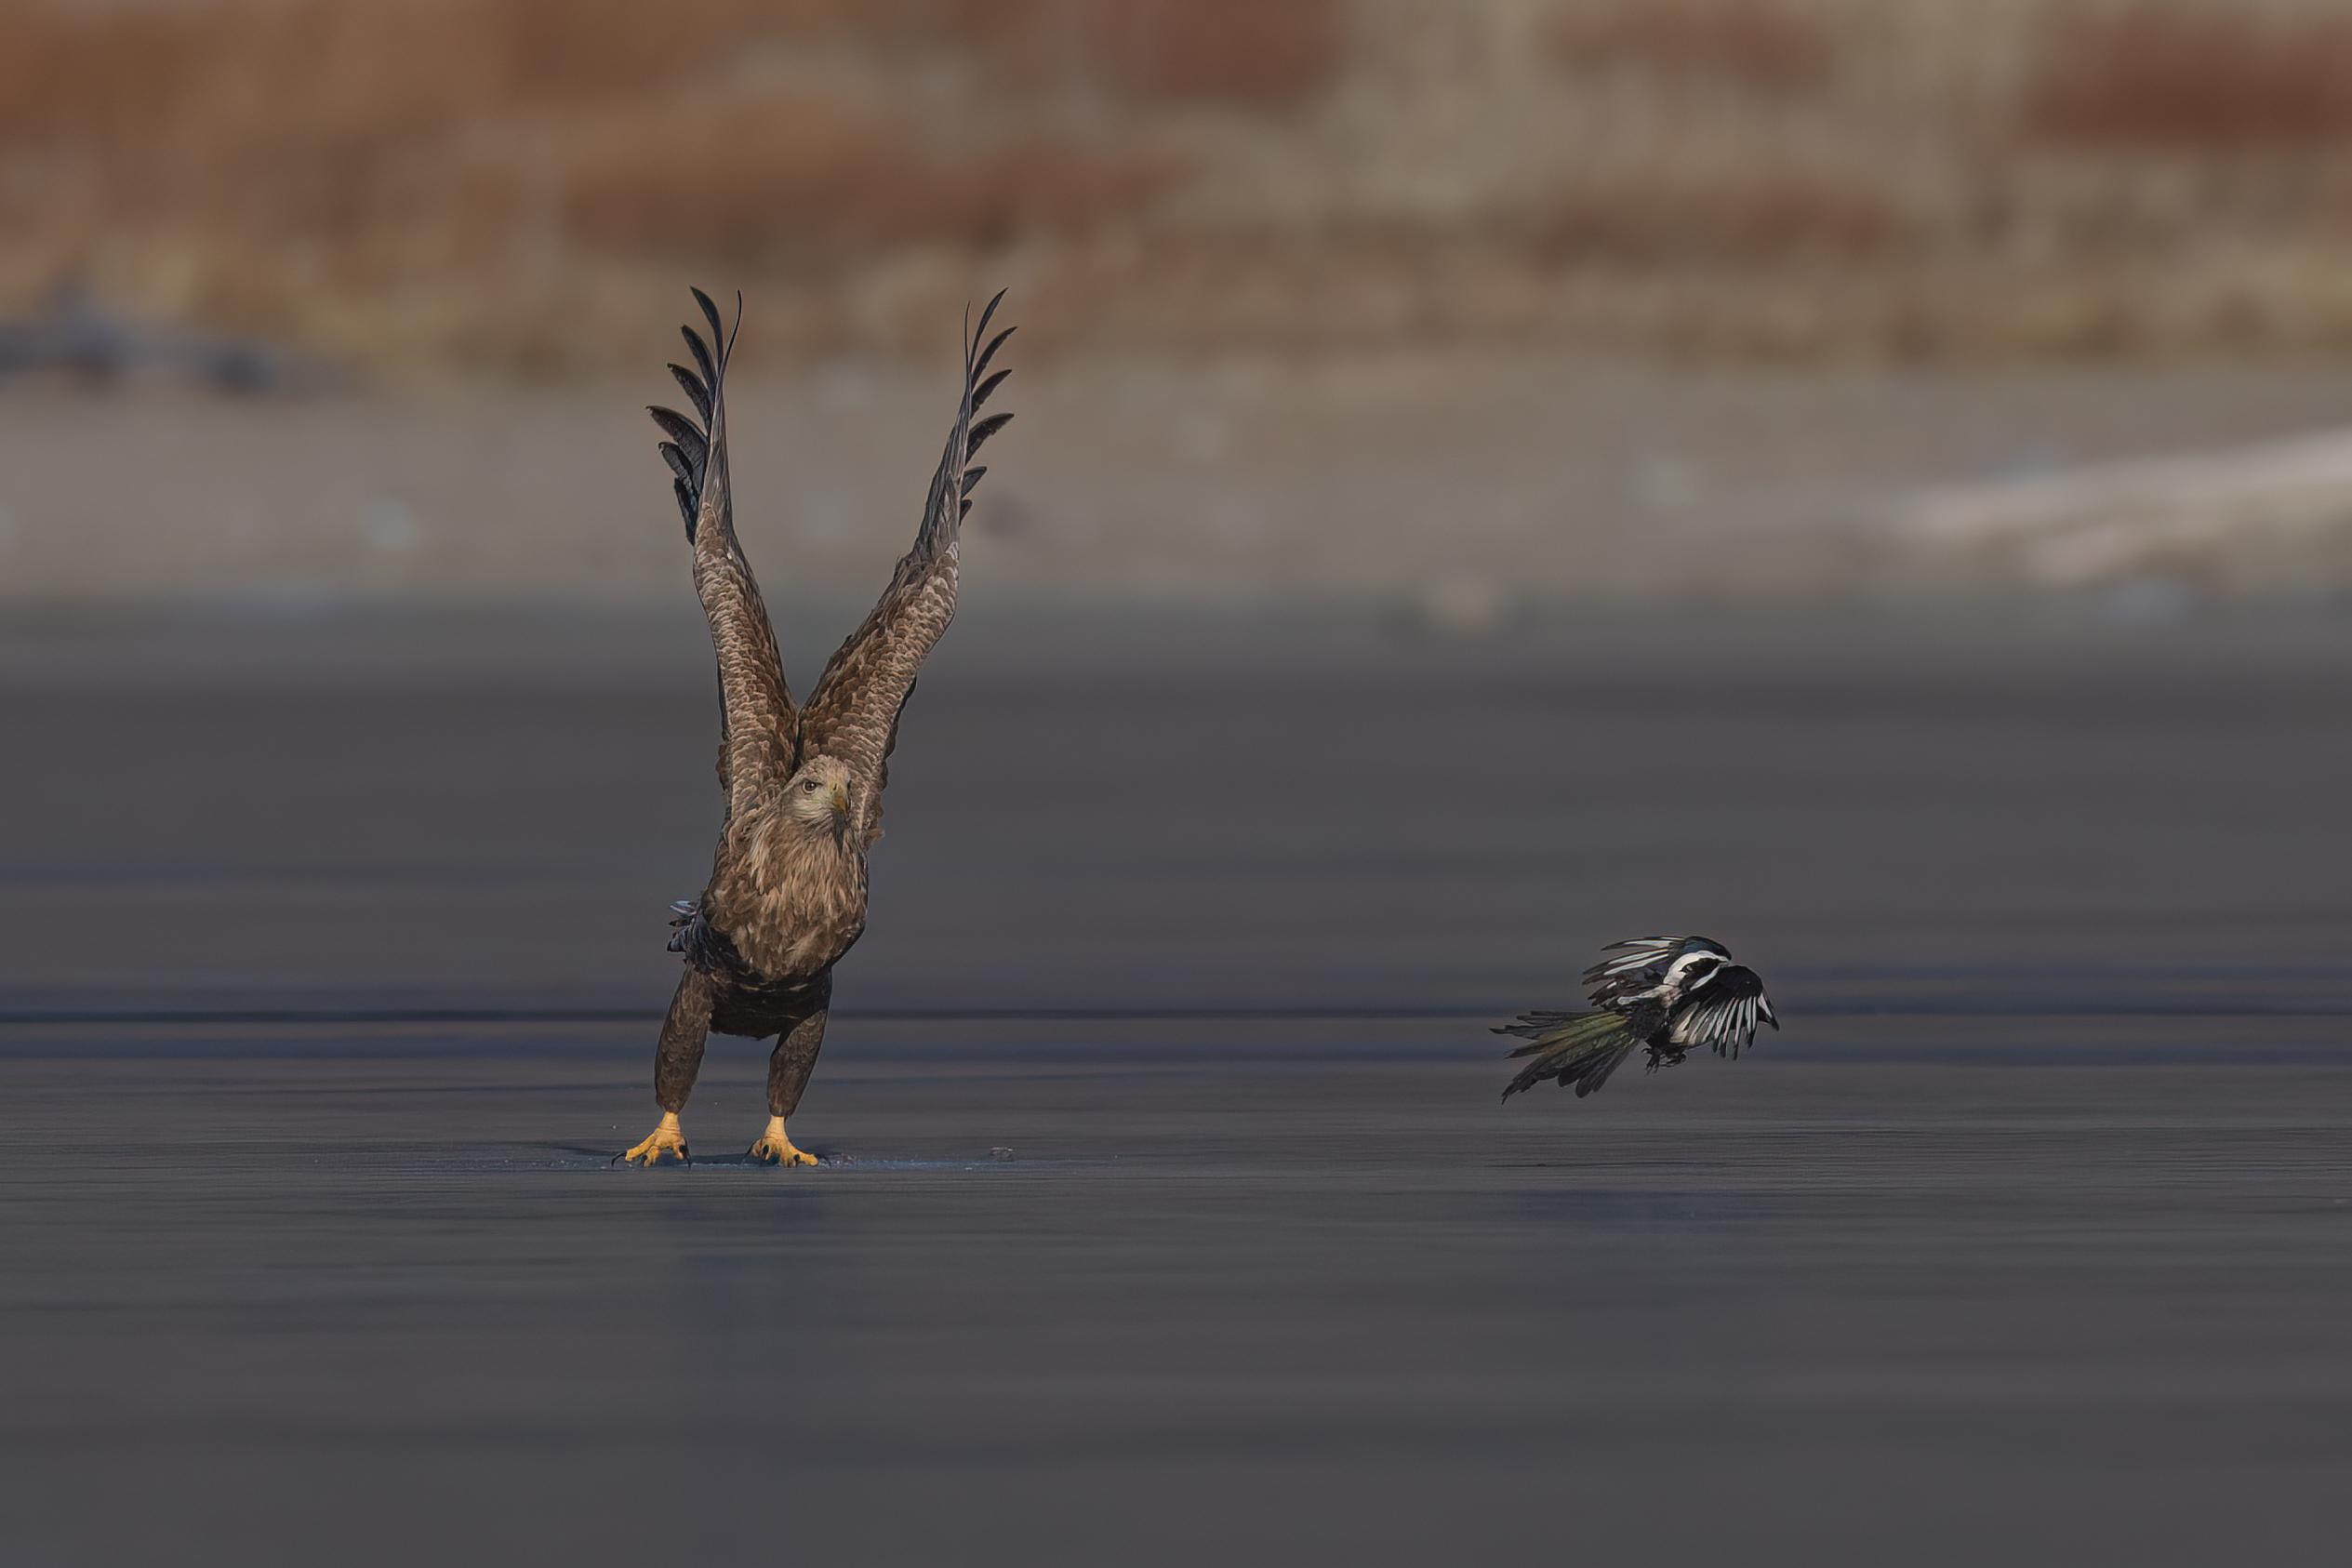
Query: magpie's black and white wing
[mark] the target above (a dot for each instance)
(1636, 965)
(1723, 1014)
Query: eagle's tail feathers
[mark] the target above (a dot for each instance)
(685, 914)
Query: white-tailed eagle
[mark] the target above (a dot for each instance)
(803, 783)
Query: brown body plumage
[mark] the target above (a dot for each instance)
(786, 893)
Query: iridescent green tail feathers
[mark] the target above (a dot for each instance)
(1578, 1049)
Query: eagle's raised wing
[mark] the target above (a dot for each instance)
(757, 727)
(1724, 1012)
(852, 714)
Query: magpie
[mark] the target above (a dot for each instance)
(1666, 994)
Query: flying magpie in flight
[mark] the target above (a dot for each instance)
(1666, 994)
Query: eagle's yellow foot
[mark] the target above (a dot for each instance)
(664, 1139)
(775, 1149)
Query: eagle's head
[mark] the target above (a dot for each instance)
(821, 794)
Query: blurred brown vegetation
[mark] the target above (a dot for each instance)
(1756, 44)
(2159, 79)
(527, 183)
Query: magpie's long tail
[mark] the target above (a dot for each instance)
(1578, 1049)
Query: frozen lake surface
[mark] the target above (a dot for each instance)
(1169, 1209)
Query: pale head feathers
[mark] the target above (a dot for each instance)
(822, 793)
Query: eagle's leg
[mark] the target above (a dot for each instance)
(676, 1060)
(787, 1069)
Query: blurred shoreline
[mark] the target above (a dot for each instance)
(1461, 487)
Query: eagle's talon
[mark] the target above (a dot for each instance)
(775, 1149)
(664, 1139)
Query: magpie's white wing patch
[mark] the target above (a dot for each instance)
(1724, 1012)
(1638, 952)
(1630, 967)
(1637, 966)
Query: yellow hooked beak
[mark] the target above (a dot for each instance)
(840, 799)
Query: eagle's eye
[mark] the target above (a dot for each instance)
(808, 786)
